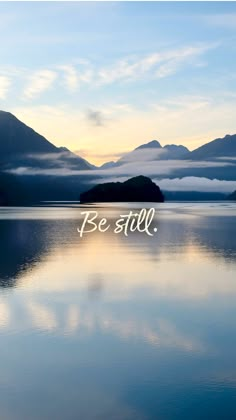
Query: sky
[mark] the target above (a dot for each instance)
(101, 78)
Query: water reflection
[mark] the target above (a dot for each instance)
(108, 326)
(30, 245)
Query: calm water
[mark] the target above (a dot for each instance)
(113, 327)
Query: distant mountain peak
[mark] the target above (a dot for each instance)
(108, 165)
(175, 151)
(150, 145)
(175, 147)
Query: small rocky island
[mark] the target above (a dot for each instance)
(137, 189)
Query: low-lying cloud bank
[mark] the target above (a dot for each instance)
(163, 172)
(192, 183)
(149, 168)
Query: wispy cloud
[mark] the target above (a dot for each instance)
(5, 83)
(155, 65)
(161, 64)
(76, 75)
(40, 81)
(70, 78)
(174, 61)
(93, 75)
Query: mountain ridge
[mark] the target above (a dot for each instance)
(33, 169)
(220, 147)
(218, 150)
(20, 144)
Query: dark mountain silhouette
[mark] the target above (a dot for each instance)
(21, 146)
(218, 148)
(137, 189)
(33, 189)
(11, 189)
(221, 151)
(232, 196)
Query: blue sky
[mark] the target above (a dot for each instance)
(103, 77)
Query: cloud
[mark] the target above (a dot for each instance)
(155, 65)
(53, 157)
(5, 83)
(152, 168)
(91, 74)
(94, 154)
(71, 78)
(76, 75)
(173, 62)
(98, 117)
(227, 158)
(95, 117)
(162, 64)
(39, 83)
(139, 156)
(192, 183)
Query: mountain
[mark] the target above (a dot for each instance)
(32, 169)
(218, 148)
(108, 165)
(154, 144)
(221, 149)
(137, 189)
(232, 196)
(149, 151)
(175, 151)
(216, 159)
(21, 146)
(171, 151)
(26, 159)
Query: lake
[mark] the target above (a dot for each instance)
(114, 327)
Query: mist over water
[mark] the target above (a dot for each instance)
(113, 327)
